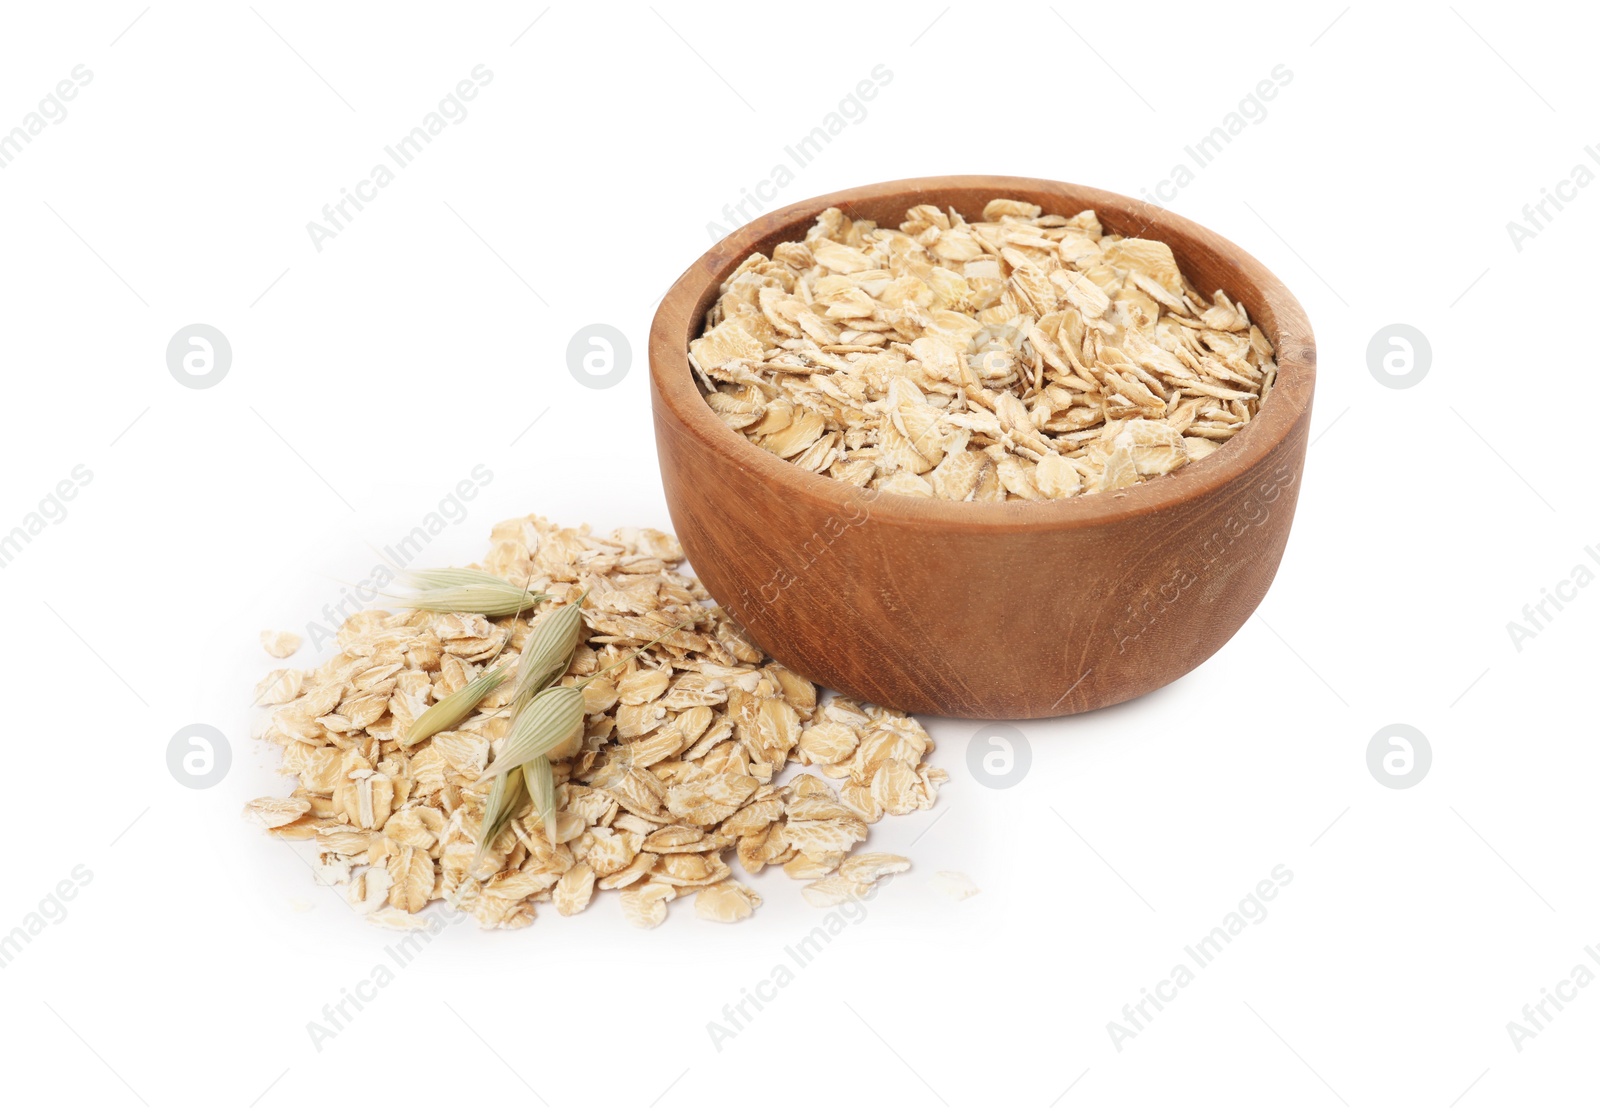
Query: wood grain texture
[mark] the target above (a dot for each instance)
(992, 610)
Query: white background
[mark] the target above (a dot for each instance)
(368, 378)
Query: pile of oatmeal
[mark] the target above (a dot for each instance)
(677, 765)
(1023, 356)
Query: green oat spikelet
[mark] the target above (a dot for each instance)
(549, 650)
(451, 577)
(466, 590)
(551, 717)
(506, 799)
(541, 783)
(446, 714)
(543, 724)
(488, 601)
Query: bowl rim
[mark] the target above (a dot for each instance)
(1287, 408)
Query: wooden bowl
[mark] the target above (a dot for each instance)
(985, 610)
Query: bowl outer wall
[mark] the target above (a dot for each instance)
(996, 611)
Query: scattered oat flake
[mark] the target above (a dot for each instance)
(280, 644)
(272, 812)
(645, 905)
(833, 890)
(576, 888)
(278, 687)
(872, 866)
(953, 885)
(390, 918)
(727, 901)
